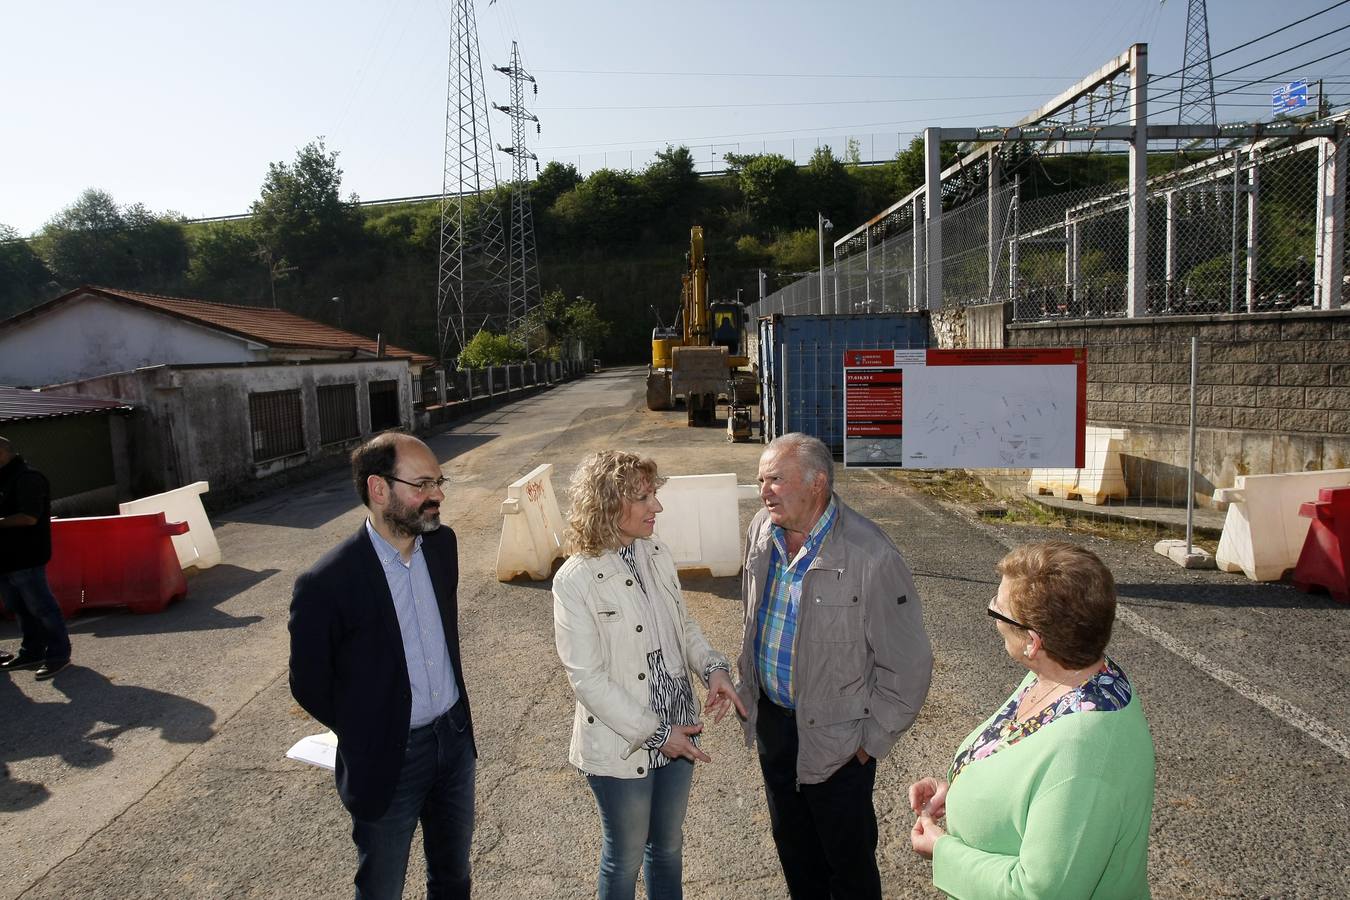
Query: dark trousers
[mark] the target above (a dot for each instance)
(434, 787)
(26, 593)
(826, 833)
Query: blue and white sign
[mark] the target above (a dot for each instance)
(1290, 97)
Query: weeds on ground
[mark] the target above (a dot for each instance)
(959, 487)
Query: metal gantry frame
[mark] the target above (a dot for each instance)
(926, 202)
(471, 283)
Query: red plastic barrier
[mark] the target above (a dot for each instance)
(1322, 564)
(115, 561)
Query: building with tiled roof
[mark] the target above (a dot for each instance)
(231, 395)
(93, 331)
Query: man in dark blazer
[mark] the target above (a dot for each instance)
(375, 657)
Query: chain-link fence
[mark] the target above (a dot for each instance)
(1237, 231)
(1268, 396)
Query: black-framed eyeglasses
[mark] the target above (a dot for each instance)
(995, 614)
(422, 486)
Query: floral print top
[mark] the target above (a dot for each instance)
(1106, 691)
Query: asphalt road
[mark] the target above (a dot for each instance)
(155, 768)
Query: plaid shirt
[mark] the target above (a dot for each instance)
(777, 617)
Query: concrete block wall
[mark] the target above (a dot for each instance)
(1273, 392)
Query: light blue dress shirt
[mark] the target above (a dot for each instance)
(419, 621)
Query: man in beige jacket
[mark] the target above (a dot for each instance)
(834, 666)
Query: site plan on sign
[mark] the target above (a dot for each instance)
(969, 409)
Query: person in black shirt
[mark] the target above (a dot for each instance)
(25, 548)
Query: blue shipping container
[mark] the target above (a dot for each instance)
(801, 367)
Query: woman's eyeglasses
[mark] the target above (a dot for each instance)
(995, 614)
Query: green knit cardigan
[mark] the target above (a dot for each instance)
(1062, 813)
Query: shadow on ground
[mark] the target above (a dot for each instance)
(198, 611)
(81, 729)
(1249, 595)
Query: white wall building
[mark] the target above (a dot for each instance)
(94, 331)
(233, 425)
(225, 394)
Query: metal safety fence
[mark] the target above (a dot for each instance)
(1240, 230)
(1177, 413)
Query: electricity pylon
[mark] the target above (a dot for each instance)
(1197, 73)
(471, 283)
(523, 263)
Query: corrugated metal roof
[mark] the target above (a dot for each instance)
(274, 328)
(18, 405)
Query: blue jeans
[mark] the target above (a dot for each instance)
(435, 787)
(27, 595)
(643, 821)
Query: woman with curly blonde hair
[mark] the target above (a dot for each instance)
(629, 645)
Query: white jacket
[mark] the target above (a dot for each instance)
(597, 628)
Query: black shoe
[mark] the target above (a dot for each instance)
(5, 657)
(49, 668)
(14, 663)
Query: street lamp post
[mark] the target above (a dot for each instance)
(822, 225)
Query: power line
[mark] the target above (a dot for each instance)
(759, 134)
(813, 75)
(929, 99)
(1270, 57)
(1260, 38)
(1259, 81)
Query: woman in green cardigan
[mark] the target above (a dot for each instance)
(1052, 795)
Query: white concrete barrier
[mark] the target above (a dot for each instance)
(531, 527)
(1102, 478)
(199, 546)
(1060, 482)
(1263, 532)
(700, 524)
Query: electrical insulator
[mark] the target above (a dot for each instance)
(536, 90)
(537, 129)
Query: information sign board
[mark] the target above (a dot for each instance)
(971, 409)
(1289, 97)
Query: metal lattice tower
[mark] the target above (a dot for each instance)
(523, 277)
(1197, 75)
(471, 285)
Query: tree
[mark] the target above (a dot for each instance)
(24, 277)
(827, 184)
(908, 166)
(769, 183)
(95, 241)
(671, 177)
(555, 180)
(603, 208)
(796, 251)
(556, 321)
(582, 322)
(488, 349)
(300, 216)
(158, 245)
(407, 229)
(224, 262)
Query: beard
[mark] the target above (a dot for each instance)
(409, 521)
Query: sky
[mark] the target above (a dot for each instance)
(181, 106)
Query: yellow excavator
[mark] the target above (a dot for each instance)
(699, 358)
